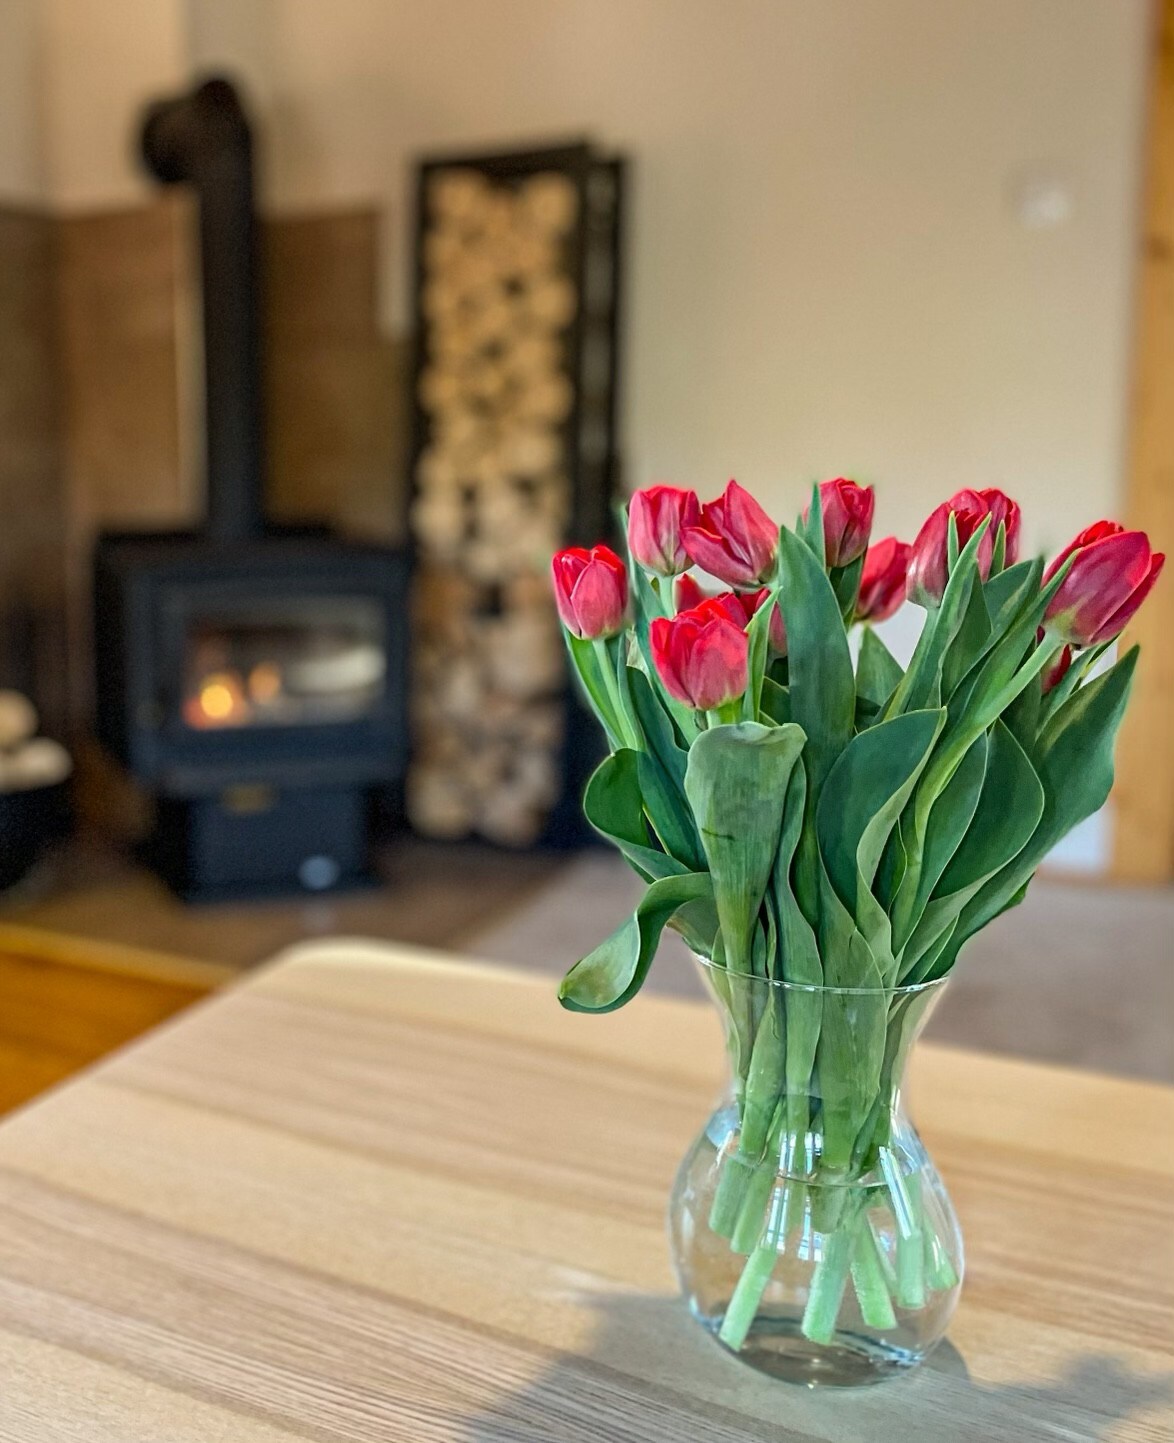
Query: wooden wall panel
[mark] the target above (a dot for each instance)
(335, 385)
(101, 404)
(126, 299)
(1144, 821)
(32, 497)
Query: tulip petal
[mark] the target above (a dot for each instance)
(1128, 608)
(716, 667)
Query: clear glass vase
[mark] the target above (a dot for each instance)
(811, 1233)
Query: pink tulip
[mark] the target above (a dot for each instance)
(701, 656)
(735, 539)
(847, 519)
(929, 560)
(656, 517)
(590, 590)
(882, 581)
(1112, 573)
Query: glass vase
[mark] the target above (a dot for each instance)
(811, 1233)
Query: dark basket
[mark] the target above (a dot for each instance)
(30, 820)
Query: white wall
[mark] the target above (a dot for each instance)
(100, 61)
(827, 272)
(21, 179)
(828, 268)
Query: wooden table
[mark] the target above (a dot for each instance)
(373, 1195)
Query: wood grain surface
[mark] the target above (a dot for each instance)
(1143, 825)
(370, 1195)
(64, 1003)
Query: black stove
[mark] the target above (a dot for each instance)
(251, 679)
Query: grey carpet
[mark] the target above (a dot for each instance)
(1080, 974)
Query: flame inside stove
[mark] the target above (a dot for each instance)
(220, 701)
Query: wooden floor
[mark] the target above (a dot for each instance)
(432, 894)
(64, 1003)
(94, 950)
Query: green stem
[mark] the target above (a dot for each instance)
(623, 726)
(829, 1280)
(940, 1271)
(747, 1296)
(727, 1198)
(886, 1266)
(752, 1215)
(868, 1278)
(911, 1253)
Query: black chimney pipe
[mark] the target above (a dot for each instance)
(202, 138)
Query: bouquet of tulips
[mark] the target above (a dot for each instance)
(805, 809)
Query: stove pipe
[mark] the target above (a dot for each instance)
(202, 139)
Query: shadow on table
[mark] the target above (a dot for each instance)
(595, 1399)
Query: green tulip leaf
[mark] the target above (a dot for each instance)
(853, 1026)
(1006, 593)
(846, 584)
(971, 641)
(1074, 762)
(613, 805)
(947, 825)
(585, 665)
(822, 685)
(878, 672)
(921, 685)
(1009, 809)
(862, 798)
(615, 971)
(736, 783)
(776, 702)
(809, 528)
(798, 955)
(661, 772)
(757, 656)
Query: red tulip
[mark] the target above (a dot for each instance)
(656, 517)
(847, 519)
(1111, 574)
(701, 656)
(591, 591)
(928, 562)
(735, 539)
(882, 582)
(1056, 669)
(741, 607)
(1003, 511)
(687, 593)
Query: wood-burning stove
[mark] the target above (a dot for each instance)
(251, 679)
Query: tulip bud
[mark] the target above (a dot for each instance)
(1112, 573)
(590, 590)
(1056, 669)
(882, 581)
(929, 558)
(701, 657)
(656, 517)
(847, 519)
(735, 539)
(687, 593)
(741, 607)
(1003, 512)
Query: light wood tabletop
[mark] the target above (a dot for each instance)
(373, 1194)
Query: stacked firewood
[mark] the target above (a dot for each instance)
(492, 501)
